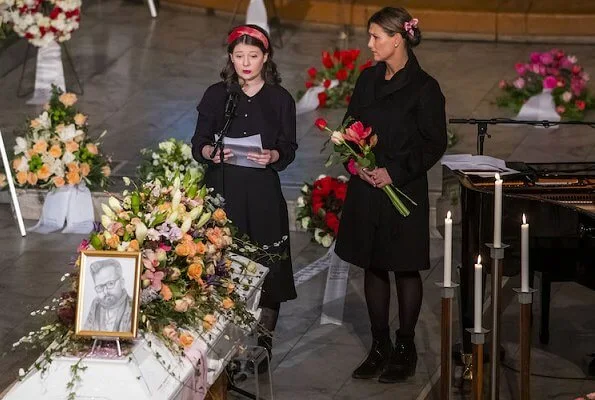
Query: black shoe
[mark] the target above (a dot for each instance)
(267, 343)
(376, 360)
(402, 363)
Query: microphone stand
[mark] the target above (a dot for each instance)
(219, 146)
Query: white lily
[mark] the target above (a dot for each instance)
(106, 221)
(114, 204)
(195, 212)
(140, 232)
(108, 211)
(186, 224)
(177, 197)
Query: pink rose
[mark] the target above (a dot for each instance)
(566, 97)
(560, 110)
(550, 82)
(351, 167)
(519, 83)
(520, 68)
(535, 57)
(546, 58)
(502, 84)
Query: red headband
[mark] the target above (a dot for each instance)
(246, 30)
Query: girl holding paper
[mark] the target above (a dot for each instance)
(251, 186)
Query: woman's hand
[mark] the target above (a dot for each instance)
(380, 177)
(208, 150)
(364, 174)
(265, 157)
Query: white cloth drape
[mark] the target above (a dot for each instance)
(257, 14)
(49, 71)
(309, 101)
(540, 107)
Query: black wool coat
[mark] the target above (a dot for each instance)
(407, 113)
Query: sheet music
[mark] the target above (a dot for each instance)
(240, 147)
(484, 166)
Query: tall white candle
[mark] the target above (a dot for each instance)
(447, 249)
(524, 255)
(478, 306)
(498, 211)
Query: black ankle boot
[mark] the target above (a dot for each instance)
(267, 343)
(402, 363)
(376, 360)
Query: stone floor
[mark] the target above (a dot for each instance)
(142, 81)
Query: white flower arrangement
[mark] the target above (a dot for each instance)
(171, 157)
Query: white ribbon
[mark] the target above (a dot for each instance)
(540, 107)
(257, 15)
(69, 204)
(335, 290)
(49, 71)
(309, 101)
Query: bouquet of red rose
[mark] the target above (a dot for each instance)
(353, 144)
(319, 207)
(338, 77)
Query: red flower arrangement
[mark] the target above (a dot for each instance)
(319, 208)
(340, 67)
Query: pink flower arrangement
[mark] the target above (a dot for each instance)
(555, 71)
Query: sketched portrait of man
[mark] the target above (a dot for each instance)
(111, 308)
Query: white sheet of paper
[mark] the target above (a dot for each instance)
(476, 165)
(240, 147)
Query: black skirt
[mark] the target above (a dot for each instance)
(256, 206)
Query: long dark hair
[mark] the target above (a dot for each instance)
(392, 21)
(269, 71)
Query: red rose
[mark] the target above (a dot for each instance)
(326, 83)
(327, 61)
(324, 186)
(316, 205)
(366, 65)
(309, 84)
(348, 99)
(321, 123)
(346, 57)
(341, 191)
(322, 97)
(355, 54)
(580, 104)
(337, 55)
(350, 66)
(55, 12)
(312, 72)
(341, 74)
(332, 221)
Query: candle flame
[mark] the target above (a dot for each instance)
(448, 214)
(497, 176)
(524, 219)
(479, 259)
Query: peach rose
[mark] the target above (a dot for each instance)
(134, 246)
(80, 119)
(181, 305)
(219, 216)
(35, 123)
(170, 332)
(73, 166)
(31, 178)
(113, 241)
(230, 288)
(200, 248)
(58, 181)
(195, 270)
(166, 292)
(68, 99)
(186, 340)
(72, 146)
(16, 162)
(92, 148)
(85, 169)
(175, 273)
(55, 151)
(44, 172)
(186, 249)
(208, 321)
(227, 303)
(106, 171)
(22, 177)
(73, 178)
(40, 147)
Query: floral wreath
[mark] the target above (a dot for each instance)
(44, 21)
(319, 208)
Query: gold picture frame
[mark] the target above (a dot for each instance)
(108, 294)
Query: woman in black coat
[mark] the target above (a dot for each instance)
(253, 197)
(405, 108)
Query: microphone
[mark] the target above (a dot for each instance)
(231, 102)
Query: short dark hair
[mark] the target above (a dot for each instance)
(269, 70)
(101, 264)
(392, 21)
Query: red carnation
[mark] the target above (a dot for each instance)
(323, 186)
(320, 123)
(341, 74)
(312, 72)
(322, 97)
(55, 12)
(580, 104)
(341, 191)
(332, 221)
(309, 84)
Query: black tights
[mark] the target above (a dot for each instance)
(269, 316)
(409, 294)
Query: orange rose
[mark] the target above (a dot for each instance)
(195, 270)
(106, 171)
(214, 235)
(134, 246)
(208, 321)
(44, 172)
(200, 248)
(73, 166)
(55, 151)
(92, 148)
(227, 303)
(219, 216)
(73, 178)
(22, 177)
(32, 178)
(113, 241)
(185, 249)
(58, 181)
(16, 162)
(40, 147)
(80, 119)
(181, 305)
(186, 340)
(230, 288)
(166, 292)
(35, 123)
(72, 146)
(85, 169)
(68, 99)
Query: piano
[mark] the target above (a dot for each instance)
(559, 202)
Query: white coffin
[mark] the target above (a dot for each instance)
(140, 375)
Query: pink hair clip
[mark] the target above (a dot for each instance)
(410, 25)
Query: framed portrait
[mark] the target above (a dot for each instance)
(108, 296)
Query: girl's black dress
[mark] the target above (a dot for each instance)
(253, 198)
